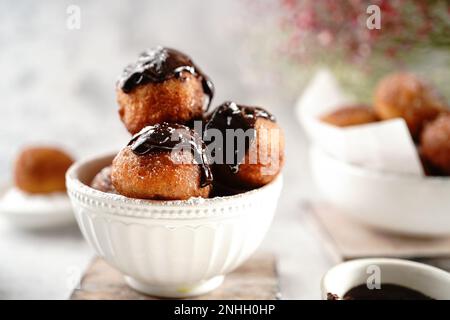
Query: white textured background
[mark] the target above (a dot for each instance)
(57, 86)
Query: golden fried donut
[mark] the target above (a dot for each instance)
(164, 85)
(435, 144)
(41, 169)
(404, 95)
(153, 166)
(102, 181)
(263, 157)
(350, 116)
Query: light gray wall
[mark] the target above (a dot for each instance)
(57, 84)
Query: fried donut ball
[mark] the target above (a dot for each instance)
(164, 85)
(404, 95)
(350, 116)
(41, 170)
(175, 100)
(435, 144)
(102, 181)
(264, 156)
(149, 168)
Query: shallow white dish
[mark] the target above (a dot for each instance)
(398, 203)
(431, 281)
(35, 211)
(170, 248)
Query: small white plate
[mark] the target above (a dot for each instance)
(35, 211)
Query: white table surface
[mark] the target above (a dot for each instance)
(58, 86)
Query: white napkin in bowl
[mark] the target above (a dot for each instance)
(384, 146)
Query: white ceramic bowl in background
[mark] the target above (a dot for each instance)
(431, 281)
(397, 203)
(170, 248)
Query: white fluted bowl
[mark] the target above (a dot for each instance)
(170, 248)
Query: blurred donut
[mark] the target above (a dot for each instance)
(350, 116)
(404, 95)
(435, 144)
(41, 170)
(163, 162)
(260, 157)
(102, 181)
(163, 85)
(428, 168)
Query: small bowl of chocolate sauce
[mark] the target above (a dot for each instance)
(385, 279)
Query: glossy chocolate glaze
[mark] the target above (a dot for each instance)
(230, 115)
(159, 64)
(167, 137)
(386, 292)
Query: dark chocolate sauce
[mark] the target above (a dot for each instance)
(230, 115)
(167, 137)
(386, 292)
(159, 64)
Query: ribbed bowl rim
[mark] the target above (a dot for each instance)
(116, 204)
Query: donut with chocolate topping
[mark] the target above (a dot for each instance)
(163, 162)
(252, 150)
(163, 85)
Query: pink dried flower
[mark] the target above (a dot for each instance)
(340, 27)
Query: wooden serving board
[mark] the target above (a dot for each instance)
(348, 239)
(254, 280)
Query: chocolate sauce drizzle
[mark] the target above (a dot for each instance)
(230, 115)
(167, 137)
(386, 292)
(159, 64)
